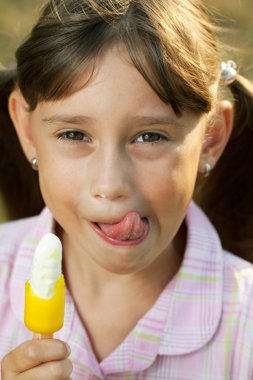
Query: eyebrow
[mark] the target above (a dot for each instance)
(157, 120)
(67, 119)
(136, 120)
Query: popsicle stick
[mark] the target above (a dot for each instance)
(43, 336)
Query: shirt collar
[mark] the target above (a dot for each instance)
(185, 316)
(196, 301)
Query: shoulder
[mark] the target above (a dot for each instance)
(235, 274)
(237, 321)
(12, 234)
(238, 296)
(238, 276)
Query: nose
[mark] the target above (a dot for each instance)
(111, 175)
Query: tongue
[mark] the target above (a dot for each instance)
(131, 227)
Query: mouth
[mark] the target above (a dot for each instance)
(130, 230)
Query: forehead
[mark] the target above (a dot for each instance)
(113, 88)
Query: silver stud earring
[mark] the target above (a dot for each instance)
(207, 169)
(34, 164)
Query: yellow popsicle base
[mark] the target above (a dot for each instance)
(45, 316)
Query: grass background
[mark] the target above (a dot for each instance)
(17, 17)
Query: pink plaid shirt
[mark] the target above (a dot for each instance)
(201, 326)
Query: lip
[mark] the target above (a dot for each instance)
(125, 243)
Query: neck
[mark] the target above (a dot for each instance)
(115, 297)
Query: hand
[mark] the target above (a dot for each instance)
(38, 359)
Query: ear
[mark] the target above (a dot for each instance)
(21, 118)
(217, 135)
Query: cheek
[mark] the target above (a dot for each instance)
(169, 183)
(59, 185)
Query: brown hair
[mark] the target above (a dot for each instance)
(18, 183)
(172, 44)
(227, 195)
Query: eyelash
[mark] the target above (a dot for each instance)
(66, 136)
(78, 136)
(152, 138)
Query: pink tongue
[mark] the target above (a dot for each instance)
(131, 227)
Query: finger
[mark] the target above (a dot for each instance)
(58, 370)
(33, 353)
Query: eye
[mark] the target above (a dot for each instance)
(150, 137)
(73, 136)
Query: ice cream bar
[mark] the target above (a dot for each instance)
(45, 291)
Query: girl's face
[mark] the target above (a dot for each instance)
(113, 148)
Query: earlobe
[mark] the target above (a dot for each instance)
(20, 116)
(217, 135)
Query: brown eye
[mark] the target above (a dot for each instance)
(74, 136)
(150, 137)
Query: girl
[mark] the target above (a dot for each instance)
(117, 106)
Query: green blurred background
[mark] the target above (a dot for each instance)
(17, 17)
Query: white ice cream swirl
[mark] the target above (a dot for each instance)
(46, 268)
